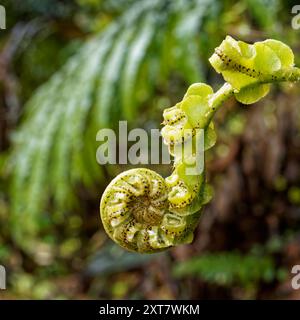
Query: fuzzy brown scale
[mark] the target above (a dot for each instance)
(236, 66)
(191, 197)
(183, 139)
(137, 211)
(177, 118)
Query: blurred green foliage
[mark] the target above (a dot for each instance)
(111, 75)
(229, 269)
(86, 65)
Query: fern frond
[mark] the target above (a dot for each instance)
(54, 148)
(132, 64)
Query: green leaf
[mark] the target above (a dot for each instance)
(135, 56)
(110, 76)
(210, 136)
(266, 60)
(252, 94)
(196, 109)
(246, 66)
(199, 89)
(284, 52)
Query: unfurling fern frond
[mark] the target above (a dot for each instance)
(143, 212)
(54, 148)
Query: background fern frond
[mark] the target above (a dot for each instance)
(54, 149)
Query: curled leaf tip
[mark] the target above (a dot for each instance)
(248, 67)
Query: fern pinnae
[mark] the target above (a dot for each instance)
(127, 27)
(24, 159)
(136, 54)
(36, 159)
(85, 113)
(109, 76)
(189, 22)
(87, 158)
(68, 139)
(33, 188)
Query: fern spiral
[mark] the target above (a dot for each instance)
(146, 213)
(135, 212)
